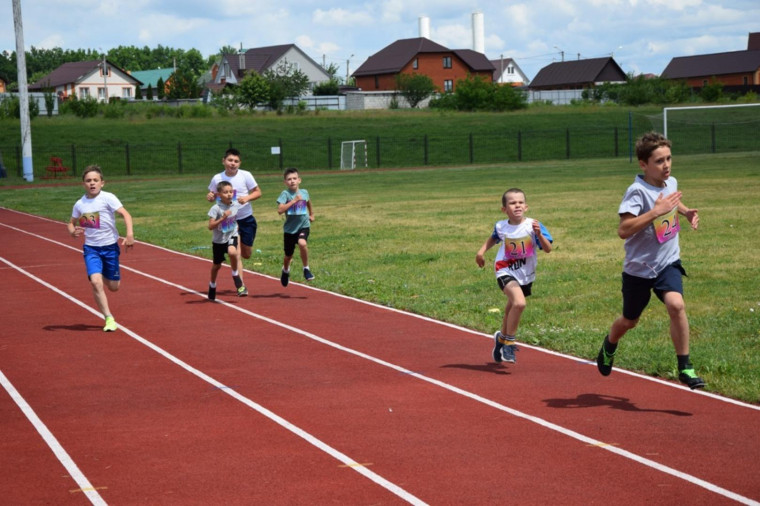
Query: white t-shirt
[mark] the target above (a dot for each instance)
(97, 217)
(517, 256)
(243, 183)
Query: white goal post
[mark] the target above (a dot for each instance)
(666, 109)
(353, 154)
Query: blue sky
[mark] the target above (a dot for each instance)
(642, 35)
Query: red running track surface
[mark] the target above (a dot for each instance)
(300, 396)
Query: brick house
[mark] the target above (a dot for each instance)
(733, 68)
(421, 56)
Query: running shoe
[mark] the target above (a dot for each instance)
(508, 352)
(110, 324)
(211, 292)
(690, 378)
(604, 361)
(242, 291)
(284, 277)
(497, 345)
(307, 274)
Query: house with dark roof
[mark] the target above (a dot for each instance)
(149, 78)
(421, 56)
(95, 78)
(578, 74)
(230, 69)
(733, 68)
(508, 72)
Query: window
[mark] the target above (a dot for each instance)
(448, 86)
(126, 93)
(447, 62)
(377, 83)
(745, 80)
(107, 71)
(101, 93)
(84, 92)
(510, 70)
(415, 64)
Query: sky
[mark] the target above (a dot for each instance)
(641, 35)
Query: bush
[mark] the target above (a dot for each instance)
(11, 108)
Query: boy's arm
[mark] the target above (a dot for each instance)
(690, 214)
(479, 256)
(253, 195)
(129, 240)
(214, 222)
(74, 230)
(282, 208)
(630, 224)
(546, 245)
(311, 211)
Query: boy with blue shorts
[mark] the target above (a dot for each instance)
(94, 217)
(649, 223)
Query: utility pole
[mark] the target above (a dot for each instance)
(105, 83)
(23, 94)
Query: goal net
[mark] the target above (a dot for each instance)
(353, 154)
(710, 128)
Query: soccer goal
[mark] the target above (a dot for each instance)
(710, 128)
(353, 154)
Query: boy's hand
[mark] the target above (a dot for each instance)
(480, 260)
(128, 241)
(537, 228)
(693, 217)
(227, 213)
(78, 231)
(211, 196)
(664, 205)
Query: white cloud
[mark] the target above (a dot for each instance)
(341, 17)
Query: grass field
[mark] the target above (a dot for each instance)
(408, 238)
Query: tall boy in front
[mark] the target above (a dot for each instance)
(649, 223)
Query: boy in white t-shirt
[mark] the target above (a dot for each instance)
(515, 265)
(94, 217)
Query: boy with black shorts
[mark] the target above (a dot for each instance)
(223, 223)
(515, 265)
(94, 216)
(649, 223)
(295, 204)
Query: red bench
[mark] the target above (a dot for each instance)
(56, 169)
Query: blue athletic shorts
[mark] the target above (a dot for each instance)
(102, 260)
(247, 230)
(638, 291)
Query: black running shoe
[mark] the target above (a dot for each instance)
(211, 293)
(604, 361)
(690, 378)
(284, 277)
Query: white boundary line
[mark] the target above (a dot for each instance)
(63, 457)
(660, 381)
(314, 441)
(516, 413)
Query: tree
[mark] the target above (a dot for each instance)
(285, 81)
(331, 87)
(160, 88)
(252, 90)
(149, 93)
(182, 85)
(415, 87)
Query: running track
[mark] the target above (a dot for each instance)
(299, 396)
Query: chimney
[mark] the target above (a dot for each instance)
(425, 27)
(478, 33)
(241, 60)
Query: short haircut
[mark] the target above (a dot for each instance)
(222, 184)
(92, 168)
(289, 171)
(647, 143)
(511, 190)
(233, 152)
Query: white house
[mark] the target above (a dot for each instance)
(508, 72)
(88, 79)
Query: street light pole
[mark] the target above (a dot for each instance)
(23, 94)
(347, 63)
(105, 83)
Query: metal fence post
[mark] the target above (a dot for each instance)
(329, 153)
(377, 150)
(567, 143)
(279, 143)
(472, 150)
(519, 145)
(425, 147)
(126, 150)
(179, 156)
(73, 159)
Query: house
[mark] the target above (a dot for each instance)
(87, 79)
(733, 68)
(149, 78)
(578, 74)
(508, 72)
(230, 69)
(421, 56)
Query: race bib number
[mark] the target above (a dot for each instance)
(515, 249)
(90, 220)
(666, 227)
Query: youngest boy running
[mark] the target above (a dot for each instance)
(223, 223)
(295, 204)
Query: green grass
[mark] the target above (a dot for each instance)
(407, 239)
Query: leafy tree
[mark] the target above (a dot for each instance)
(712, 92)
(415, 87)
(160, 88)
(252, 90)
(138, 93)
(50, 99)
(331, 87)
(149, 93)
(285, 81)
(508, 98)
(182, 85)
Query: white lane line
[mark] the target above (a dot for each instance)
(63, 457)
(539, 421)
(314, 441)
